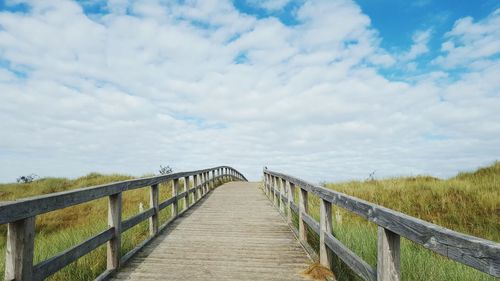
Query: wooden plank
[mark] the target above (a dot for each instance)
(303, 208)
(154, 205)
(167, 203)
(213, 242)
(54, 264)
(358, 265)
(325, 223)
(388, 258)
(114, 223)
(132, 221)
(19, 249)
(482, 254)
(32, 206)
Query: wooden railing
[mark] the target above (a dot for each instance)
(475, 252)
(20, 216)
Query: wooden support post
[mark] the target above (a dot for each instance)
(213, 179)
(186, 189)
(206, 183)
(388, 260)
(281, 184)
(270, 187)
(175, 192)
(114, 221)
(196, 193)
(20, 247)
(273, 181)
(154, 203)
(325, 223)
(202, 184)
(269, 191)
(265, 185)
(303, 207)
(291, 191)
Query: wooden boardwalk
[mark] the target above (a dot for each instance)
(233, 234)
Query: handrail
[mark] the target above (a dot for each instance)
(481, 254)
(20, 216)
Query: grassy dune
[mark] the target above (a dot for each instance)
(61, 229)
(468, 203)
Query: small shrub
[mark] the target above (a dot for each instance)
(27, 179)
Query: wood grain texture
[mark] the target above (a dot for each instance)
(325, 223)
(481, 254)
(19, 250)
(114, 223)
(388, 257)
(234, 233)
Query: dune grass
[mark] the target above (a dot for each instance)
(59, 230)
(468, 203)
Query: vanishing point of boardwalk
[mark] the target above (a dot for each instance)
(233, 234)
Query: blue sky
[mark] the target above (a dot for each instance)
(327, 90)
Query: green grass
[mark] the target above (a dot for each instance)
(59, 230)
(468, 203)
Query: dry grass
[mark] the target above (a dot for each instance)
(468, 202)
(318, 272)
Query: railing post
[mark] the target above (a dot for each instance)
(325, 222)
(303, 207)
(281, 183)
(291, 191)
(186, 189)
(388, 260)
(270, 187)
(154, 203)
(206, 182)
(114, 221)
(202, 184)
(20, 247)
(196, 193)
(213, 179)
(175, 192)
(265, 185)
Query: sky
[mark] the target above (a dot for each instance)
(325, 90)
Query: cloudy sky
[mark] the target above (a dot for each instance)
(321, 89)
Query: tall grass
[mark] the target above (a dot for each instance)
(468, 203)
(59, 230)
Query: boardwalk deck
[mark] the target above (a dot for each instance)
(233, 234)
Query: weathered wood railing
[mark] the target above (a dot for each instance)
(475, 252)
(20, 216)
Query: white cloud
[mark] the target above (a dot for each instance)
(471, 41)
(160, 85)
(271, 5)
(420, 44)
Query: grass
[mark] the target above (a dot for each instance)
(468, 203)
(59, 230)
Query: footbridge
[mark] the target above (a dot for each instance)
(222, 227)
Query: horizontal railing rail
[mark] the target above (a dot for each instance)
(481, 254)
(20, 218)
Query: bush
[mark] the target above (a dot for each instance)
(26, 179)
